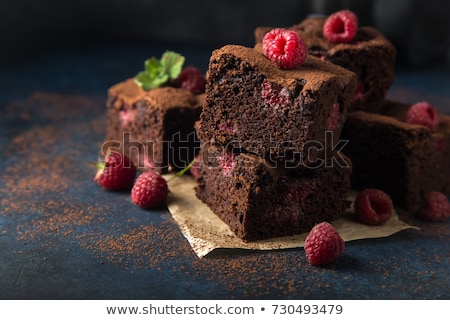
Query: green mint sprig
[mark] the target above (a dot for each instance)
(158, 72)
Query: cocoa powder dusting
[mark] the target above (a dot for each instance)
(47, 189)
(139, 247)
(41, 167)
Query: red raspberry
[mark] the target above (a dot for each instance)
(373, 207)
(115, 172)
(435, 207)
(275, 94)
(341, 26)
(196, 166)
(285, 48)
(323, 244)
(334, 118)
(424, 114)
(191, 79)
(359, 94)
(150, 190)
(227, 163)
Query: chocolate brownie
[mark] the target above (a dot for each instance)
(259, 199)
(370, 55)
(156, 127)
(284, 114)
(405, 160)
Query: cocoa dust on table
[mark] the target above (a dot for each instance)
(44, 176)
(42, 191)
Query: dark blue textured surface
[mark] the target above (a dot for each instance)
(63, 237)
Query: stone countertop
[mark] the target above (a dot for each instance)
(63, 237)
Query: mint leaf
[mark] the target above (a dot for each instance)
(152, 66)
(147, 81)
(143, 80)
(158, 72)
(172, 63)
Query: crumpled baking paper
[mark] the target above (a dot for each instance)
(206, 232)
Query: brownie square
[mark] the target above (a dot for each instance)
(154, 128)
(405, 160)
(253, 105)
(259, 199)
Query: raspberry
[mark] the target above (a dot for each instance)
(126, 114)
(146, 163)
(191, 79)
(227, 126)
(299, 191)
(341, 26)
(323, 244)
(435, 207)
(424, 114)
(150, 190)
(226, 163)
(373, 207)
(334, 118)
(115, 172)
(285, 48)
(439, 144)
(275, 94)
(359, 94)
(196, 166)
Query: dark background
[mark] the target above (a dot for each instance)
(28, 28)
(57, 60)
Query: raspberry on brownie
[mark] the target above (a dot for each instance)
(423, 113)
(405, 160)
(341, 26)
(259, 199)
(191, 79)
(253, 104)
(369, 54)
(285, 48)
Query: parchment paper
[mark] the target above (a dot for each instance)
(206, 232)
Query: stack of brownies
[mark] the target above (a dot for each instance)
(269, 162)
